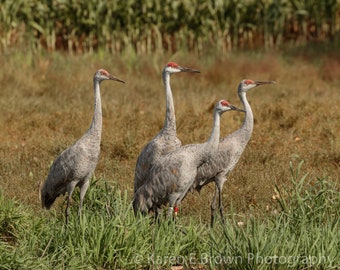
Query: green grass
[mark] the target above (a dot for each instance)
(302, 233)
(274, 209)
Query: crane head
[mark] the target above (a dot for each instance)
(173, 67)
(224, 105)
(246, 85)
(102, 75)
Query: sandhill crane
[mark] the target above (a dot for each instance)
(173, 174)
(166, 140)
(75, 165)
(229, 150)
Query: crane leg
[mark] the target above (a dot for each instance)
(213, 207)
(170, 211)
(220, 204)
(70, 189)
(157, 214)
(66, 210)
(83, 190)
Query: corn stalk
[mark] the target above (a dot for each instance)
(84, 26)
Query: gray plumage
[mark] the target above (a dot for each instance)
(229, 151)
(166, 140)
(75, 165)
(173, 174)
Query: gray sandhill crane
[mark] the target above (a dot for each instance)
(229, 150)
(75, 165)
(166, 140)
(173, 174)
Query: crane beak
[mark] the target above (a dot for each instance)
(232, 107)
(264, 82)
(111, 77)
(185, 69)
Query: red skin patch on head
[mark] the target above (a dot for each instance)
(172, 64)
(225, 103)
(104, 72)
(249, 82)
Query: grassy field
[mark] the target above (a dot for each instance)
(276, 205)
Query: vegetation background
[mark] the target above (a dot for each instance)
(49, 53)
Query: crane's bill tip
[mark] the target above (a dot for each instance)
(236, 108)
(116, 79)
(191, 70)
(120, 81)
(264, 82)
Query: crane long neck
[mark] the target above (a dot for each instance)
(212, 144)
(170, 118)
(96, 125)
(248, 122)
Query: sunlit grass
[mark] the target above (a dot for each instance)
(47, 104)
(301, 233)
(275, 205)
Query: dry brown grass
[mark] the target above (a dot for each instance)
(47, 103)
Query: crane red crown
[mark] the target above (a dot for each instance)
(172, 64)
(104, 72)
(225, 103)
(249, 82)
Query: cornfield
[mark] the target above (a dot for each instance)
(79, 26)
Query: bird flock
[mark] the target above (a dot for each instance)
(165, 169)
